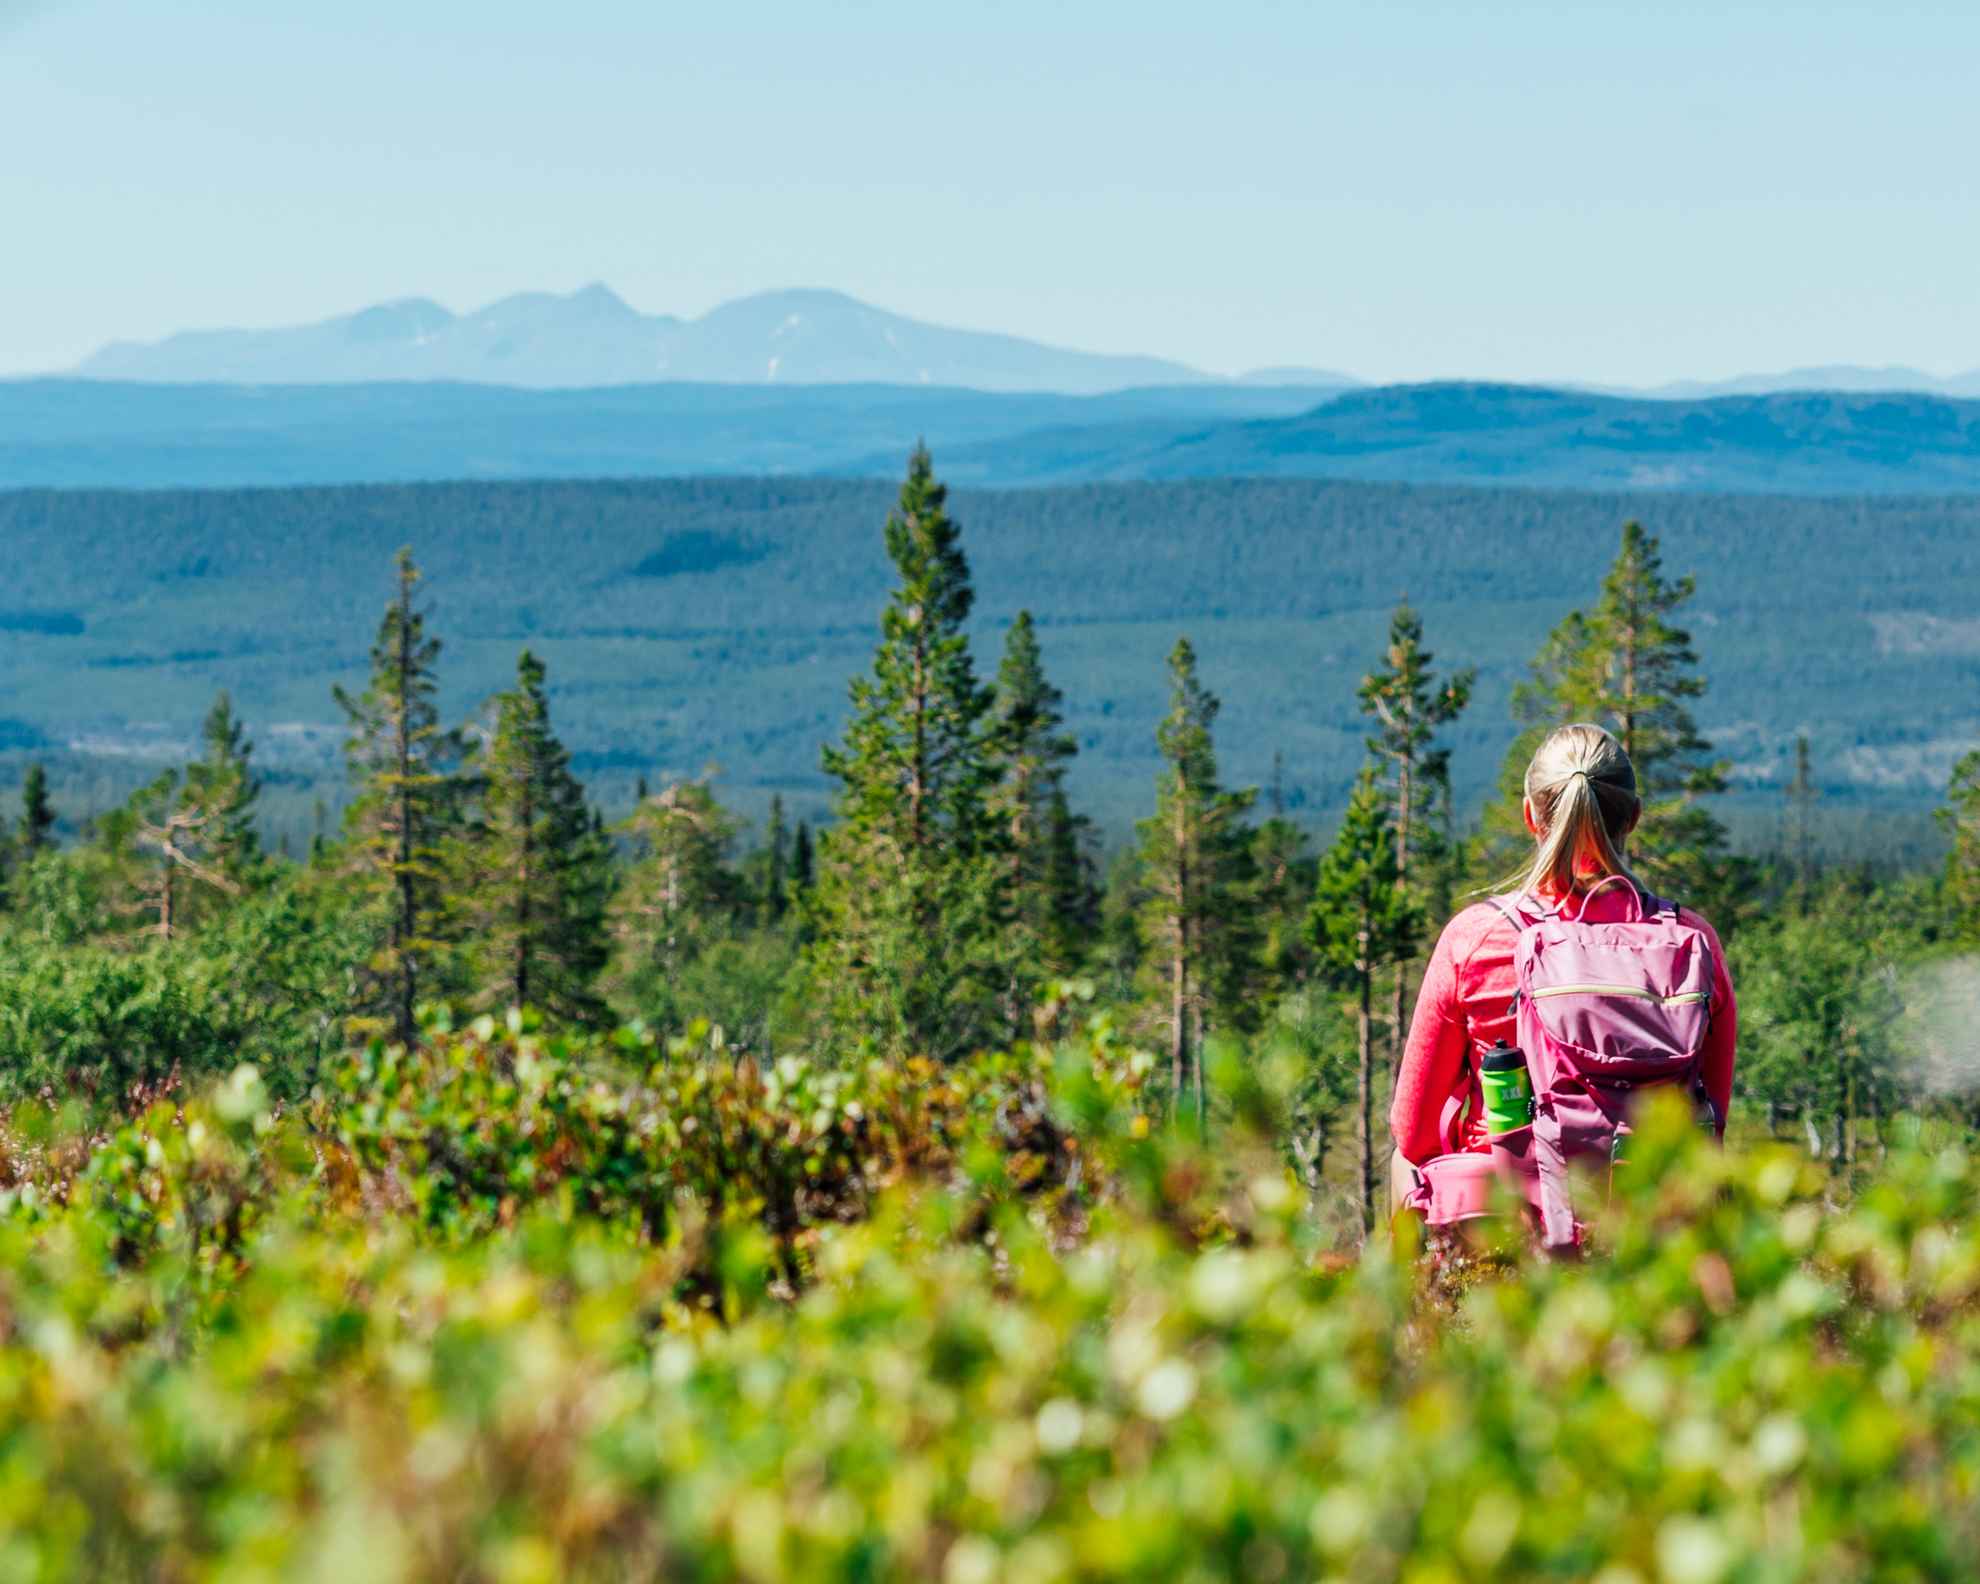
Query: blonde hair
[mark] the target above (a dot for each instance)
(1582, 789)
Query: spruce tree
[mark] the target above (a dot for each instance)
(406, 806)
(1071, 884)
(1195, 878)
(535, 871)
(803, 864)
(37, 814)
(1409, 703)
(1625, 666)
(774, 890)
(1032, 750)
(906, 906)
(1362, 921)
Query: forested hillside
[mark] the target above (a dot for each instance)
(78, 433)
(714, 622)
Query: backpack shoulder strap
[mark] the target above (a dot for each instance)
(1655, 906)
(1515, 907)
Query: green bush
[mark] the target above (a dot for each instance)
(249, 1343)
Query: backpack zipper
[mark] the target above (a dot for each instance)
(1637, 992)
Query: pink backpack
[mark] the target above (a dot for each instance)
(1603, 1010)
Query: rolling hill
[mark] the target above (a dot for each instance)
(1809, 443)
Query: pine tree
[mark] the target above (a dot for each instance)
(1410, 702)
(679, 896)
(906, 905)
(1032, 750)
(1623, 665)
(37, 814)
(1196, 925)
(404, 769)
(1362, 921)
(533, 875)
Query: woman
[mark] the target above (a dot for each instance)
(1581, 805)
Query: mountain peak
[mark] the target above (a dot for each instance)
(593, 337)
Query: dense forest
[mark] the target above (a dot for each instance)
(693, 623)
(915, 1185)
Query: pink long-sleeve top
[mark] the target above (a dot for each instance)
(1464, 1007)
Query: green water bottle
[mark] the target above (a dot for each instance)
(1508, 1089)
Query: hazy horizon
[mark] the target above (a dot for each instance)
(1542, 193)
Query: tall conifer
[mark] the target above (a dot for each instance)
(1032, 750)
(37, 814)
(535, 872)
(406, 804)
(1409, 702)
(1195, 874)
(1625, 666)
(906, 905)
(774, 894)
(1363, 920)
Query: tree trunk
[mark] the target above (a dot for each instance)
(520, 971)
(1179, 1051)
(1839, 1146)
(408, 900)
(1196, 1060)
(1405, 790)
(1365, 1086)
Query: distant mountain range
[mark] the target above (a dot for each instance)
(593, 338)
(1826, 377)
(83, 433)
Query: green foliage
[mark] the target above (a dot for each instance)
(1042, 878)
(1197, 940)
(407, 805)
(1363, 920)
(1410, 703)
(907, 909)
(37, 827)
(1624, 666)
(678, 900)
(531, 875)
(269, 983)
(233, 1352)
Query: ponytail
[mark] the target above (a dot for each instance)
(1582, 790)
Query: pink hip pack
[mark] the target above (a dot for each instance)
(1603, 1011)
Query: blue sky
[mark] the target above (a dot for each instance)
(1407, 190)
